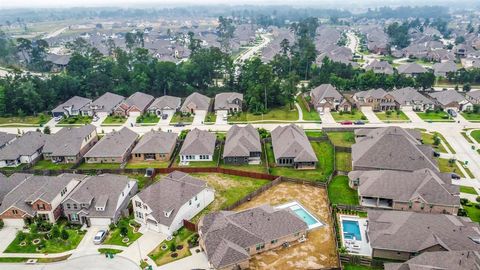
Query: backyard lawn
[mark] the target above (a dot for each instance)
(179, 117)
(98, 166)
(276, 114)
(48, 165)
(340, 193)
(471, 116)
(468, 190)
(213, 163)
(148, 119)
(397, 116)
(116, 238)
(38, 120)
(314, 133)
(447, 167)
(76, 120)
(311, 115)
(340, 138)
(261, 168)
(349, 116)
(435, 116)
(175, 249)
(147, 164)
(114, 120)
(343, 161)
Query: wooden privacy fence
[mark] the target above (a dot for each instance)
(190, 226)
(254, 194)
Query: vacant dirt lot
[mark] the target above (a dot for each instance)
(319, 250)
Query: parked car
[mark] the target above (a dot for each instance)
(455, 176)
(359, 122)
(346, 123)
(57, 118)
(436, 154)
(99, 237)
(164, 116)
(452, 112)
(179, 124)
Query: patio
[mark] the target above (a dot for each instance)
(356, 246)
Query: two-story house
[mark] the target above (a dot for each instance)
(377, 99)
(327, 98)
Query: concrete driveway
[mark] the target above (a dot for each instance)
(368, 112)
(131, 121)
(139, 249)
(101, 118)
(7, 234)
(221, 114)
(165, 122)
(86, 246)
(413, 116)
(199, 117)
(327, 118)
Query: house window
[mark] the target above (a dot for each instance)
(139, 214)
(41, 206)
(198, 205)
(74, 206)
(14, 212)
(68, 206)
(273, 241)
(190, 202)
(196, 198)
(74, 217)
(260, 246)
(138, 204)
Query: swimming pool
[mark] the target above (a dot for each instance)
(301, 212)
(351, 229)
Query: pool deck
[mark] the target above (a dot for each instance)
(354, 246)
(294, 204)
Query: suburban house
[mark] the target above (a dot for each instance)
(199, 145)
(114, 147)
(195, 102)
(6, 138)
(104, 105)
(59, 62)
(8, 183)
(228, 101)
(381, 67)
(377, 99)
(27, 149)
(242, 146)
(71, 107)
(443, 68)
(451, 99)
(420, 191)
(229, 238)
(411, 69)
(69, 145)
(165, 105)
(399, 235)
(155, 146)
(292, 148)
(326, 97)
(36, 197)
(460, 260)
(99, 200)
(134, 105)
(410, 99)
(164, 205)
(473, 96)
(391, 148)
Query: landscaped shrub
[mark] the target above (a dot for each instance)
(33, 228)
(462, 212)
(477, 199)
(123, 231)
(363, 117)
(21, 236)
(64, 234)
(1, 224)
(55, 232)
(477, 206)
(173, 246)
(463, 201)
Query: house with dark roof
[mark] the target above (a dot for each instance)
(451, 100)
(391, 148)
(291, 148)
(411, 69)
(228, 101)
(165, 105)
(71, 107)
(410, 99)
(377, 99)
(59, 62)
(99, 200)
(136, 104)
(27, 149)
(105, 105)
(400, 235)
(155, 146)
(327, 98)
(196, 102)
(69, 145)
(420, 191)
(164, 205)
(242, 145)
(199, 145)
(114, 147)
(380, 67)
(443, 68)
(229, 238)
(435, 260)
(37, 197)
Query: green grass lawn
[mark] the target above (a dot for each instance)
(261, 168)
(446, 167)
(446, 142)
(471, 116)
(48, 165)
(38, 120)
(347, 116)
(277, 114)
(359, 267)
(109, 250)
(324, 152)
(472, 212)
(437, 116)
(340, 138)
(464, 134)
(427, 138)
(148, 119)
(98, 166)
(397, 116)
(314, 133)
(469, 190)
(343, 161)
(163, 256)
(147, 164)
(211, 117)
(115, 238)
(476, 135)
(76, 120)
(179, 117)
(340, 193)
(311, 115)
(114, 120)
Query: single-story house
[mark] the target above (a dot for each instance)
(461, 260)
(451, 99)
(155, 145)
(199, 145)
(228, 101)
(135, 105)
(69, 145)
(411, 69)
(327, 98)
(114, 147)
(291, 148)
(105, 104)
(377, 99)
(410, 99)
(71, 107)
(164, 205)
(196, 102)
(230, 238)
(381, 67)
(443, 68)
(27, 149)
(242, 145)
(6, 138)
(165, 105)
(420, 191)
(473, 96)
(100, 200)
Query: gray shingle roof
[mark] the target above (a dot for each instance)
(7, 184)
(156, 142)
(105, 103)
(474, 94)
(291, 141)
(223, 100)
(169, 194)
(198, 142)
(324, 91)
(435, 260)
(391, 148)
(114, 144)
(448, 96)
(165, 103)
(6, 137)
(409, 94)
(411, 68)
(380, 67)
(26, 145)
(414, 232)
(75, 102)
(67, 141)
(227, 234)
(241, 141)
(372, 93)
(423, 184)
(139, 100)
(445, 67)
(199, 101)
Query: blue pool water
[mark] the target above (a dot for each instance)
(309, 219)
(351, 229)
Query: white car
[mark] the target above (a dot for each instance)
(99, 237)
(58, 118)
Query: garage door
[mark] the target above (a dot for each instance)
(134, 113)
(99, 222)
(407, 108)
(13, 222)
(152, 225)
(168, 112)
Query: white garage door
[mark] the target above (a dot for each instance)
(13, 222)
(152, 225)
(407, 108)
(168, 112)
(100, 222)
(134, 113)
